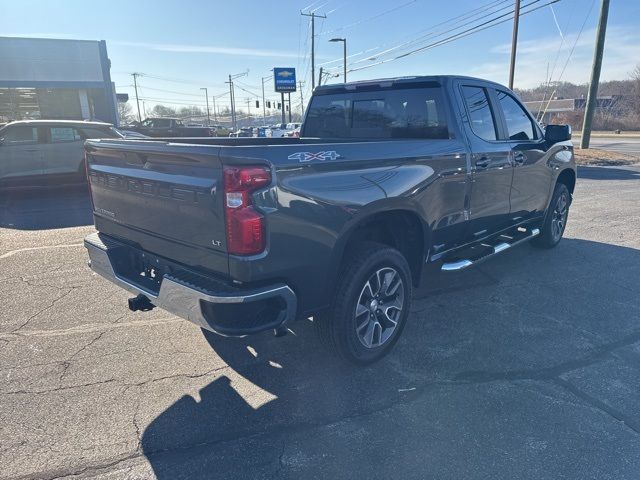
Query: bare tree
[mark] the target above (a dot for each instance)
(125, 112)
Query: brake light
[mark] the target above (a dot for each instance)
(245, 226)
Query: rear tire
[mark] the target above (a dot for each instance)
(555, 220)
(371, 304)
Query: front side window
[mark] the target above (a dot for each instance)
(20, 135)
(161, 123)
(64, 134)
(397, 113)
(480, 114)
(519, 125)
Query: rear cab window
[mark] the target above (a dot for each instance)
(406, 113)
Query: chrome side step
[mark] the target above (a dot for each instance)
(461, 264)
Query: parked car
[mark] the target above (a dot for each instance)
(389, 180)
(294, 133)
(260, 132)
(47, 152)
(221, 131)
(293, 126)
(278, 130)
(242, 132)
(169, 127)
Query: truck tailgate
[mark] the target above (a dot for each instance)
(163, 198)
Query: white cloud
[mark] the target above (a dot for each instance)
(186, 48)
(535, 56)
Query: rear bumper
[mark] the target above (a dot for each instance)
(210, 303)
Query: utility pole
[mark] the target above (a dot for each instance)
(264, 107)
(313, 44)
(233, 97)
(135, 85)
(301, 99)
(514, 43)
(282, 106)
(215, 115)
(206, 94)
(595, 75)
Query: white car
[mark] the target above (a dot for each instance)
(277, 131)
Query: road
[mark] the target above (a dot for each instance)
(617, 143)
(526, 367)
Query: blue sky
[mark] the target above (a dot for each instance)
(192, 44)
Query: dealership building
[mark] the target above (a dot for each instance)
(55, 79)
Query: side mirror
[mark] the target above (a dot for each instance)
(557, 133)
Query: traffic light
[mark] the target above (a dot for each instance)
(257, 104)
(279, 106)
(268, 103)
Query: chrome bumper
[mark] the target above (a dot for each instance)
(185, 299)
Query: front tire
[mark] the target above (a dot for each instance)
(371, 304)
(555, 220)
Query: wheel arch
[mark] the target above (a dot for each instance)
(399, 228)
(568, 178)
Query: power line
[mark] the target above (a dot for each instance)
(364, 20)
(470, 31)
(451, 23)
(455, 23)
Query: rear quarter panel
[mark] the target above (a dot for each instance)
(322, 191)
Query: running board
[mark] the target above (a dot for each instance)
(463, 263)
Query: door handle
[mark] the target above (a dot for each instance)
(519, 158)
(483, 162)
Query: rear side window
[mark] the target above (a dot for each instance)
(20, 135)
(64, 134)
(399, 113)
(519, 125)
(480, 115)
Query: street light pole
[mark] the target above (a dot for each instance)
(206, 94)
(344, 61)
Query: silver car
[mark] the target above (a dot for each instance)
(46, 152)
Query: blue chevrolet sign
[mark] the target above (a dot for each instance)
(285, 79)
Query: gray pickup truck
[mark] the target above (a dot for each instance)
(389, 180)
(169, 127)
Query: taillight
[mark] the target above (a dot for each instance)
(245, 226)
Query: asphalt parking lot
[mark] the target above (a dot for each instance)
(528, 366)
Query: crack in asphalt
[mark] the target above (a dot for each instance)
(26, 322)
(599, 405)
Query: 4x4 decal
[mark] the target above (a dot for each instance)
(308, 156)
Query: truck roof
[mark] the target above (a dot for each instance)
(385, 82)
